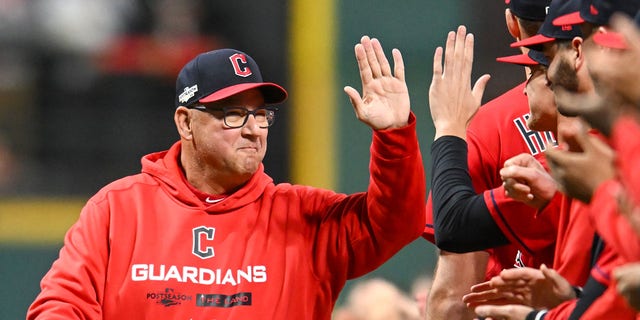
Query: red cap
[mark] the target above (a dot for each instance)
(538, 39)
(610, 39)
(568, 19)
(519, 59)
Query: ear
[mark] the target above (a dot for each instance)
(576, 45)
(512, 24)
(182, 118)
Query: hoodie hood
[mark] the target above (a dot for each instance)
(164, 167)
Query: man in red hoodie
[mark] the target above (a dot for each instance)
(204, 233)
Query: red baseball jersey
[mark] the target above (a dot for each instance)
(574, 240)
(146, 247)
(497, 133)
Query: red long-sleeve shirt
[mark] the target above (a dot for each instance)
(146, 247)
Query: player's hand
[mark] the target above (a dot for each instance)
(569, 168)
(628, 283)
(385, 98)
(537, 288)
(451, 99)
(594, 108)
(525, 179)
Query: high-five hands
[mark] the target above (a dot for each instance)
(451, 99)
(385, 98)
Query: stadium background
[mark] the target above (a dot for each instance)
(87, 88)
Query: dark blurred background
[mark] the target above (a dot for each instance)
(87, 88)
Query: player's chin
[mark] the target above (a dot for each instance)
(250, 164)
(537, 124)
(532, 123)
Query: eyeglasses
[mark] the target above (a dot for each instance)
(236, 117)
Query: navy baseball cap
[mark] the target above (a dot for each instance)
(549, 32)
(598, 12)
(532, 58)
(534, 10)
(613, 39)
(218, 74)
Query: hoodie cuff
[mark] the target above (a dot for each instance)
(396, 143)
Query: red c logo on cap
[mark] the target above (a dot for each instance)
(236, 59)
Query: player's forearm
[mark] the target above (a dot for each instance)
(453, 277)
(462, 220)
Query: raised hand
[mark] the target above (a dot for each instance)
(451, 99)
(385, 98)
(600, 110)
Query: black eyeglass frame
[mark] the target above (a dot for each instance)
(247, 112)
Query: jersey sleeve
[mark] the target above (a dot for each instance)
(74, 286)
(531, 230)
(628, 153)
(357, 233)
(613, 227)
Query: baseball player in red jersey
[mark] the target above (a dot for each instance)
(598, 298)
(204, 233)
(614, 207)
(498, 132)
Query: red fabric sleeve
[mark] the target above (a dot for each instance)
(429, 233)
(562, 311)
(376, 225)
(74, 287)
(628, 154)
(533, 233)
(573, 247)
(610, 305)
(610, 225)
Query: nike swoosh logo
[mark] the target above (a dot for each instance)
(208, 200)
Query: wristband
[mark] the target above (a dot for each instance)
(578, 291)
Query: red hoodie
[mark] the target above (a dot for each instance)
(146, 247)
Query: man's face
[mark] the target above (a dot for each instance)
(232, 151)
(542, 106)
(561, 71)
(613, 71)
(600, 69)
